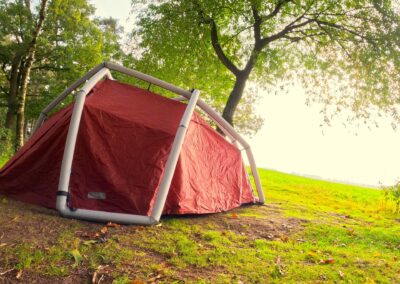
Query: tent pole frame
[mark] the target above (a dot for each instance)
(218, 119)
(91, 78)
(170, 166)
(63, 95)
(103, 216)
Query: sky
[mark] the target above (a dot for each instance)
(292, 139)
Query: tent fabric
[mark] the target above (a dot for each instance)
(124, 140)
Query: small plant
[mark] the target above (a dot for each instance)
(392, 194)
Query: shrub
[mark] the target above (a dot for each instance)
(392, 194)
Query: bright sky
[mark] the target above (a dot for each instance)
(293, 141)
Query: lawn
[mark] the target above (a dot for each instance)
(309, 231)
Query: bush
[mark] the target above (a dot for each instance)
(392, 194)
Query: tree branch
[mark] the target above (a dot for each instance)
(218, 49)
(257, 24)
(50, 67)
(285, 31)
(278, 7)
(343, 28)
(236, 34)
(334, 39)
(215, 40)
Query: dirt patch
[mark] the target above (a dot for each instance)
(267, 222)
(25, 223)
(28, 277)
(273, 225)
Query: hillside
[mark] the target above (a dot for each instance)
(309, 231)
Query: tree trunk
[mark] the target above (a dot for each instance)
(20, 133)
(13, 93)
(234, 98)
(31, 50)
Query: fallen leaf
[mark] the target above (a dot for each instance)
(137, 281)
(284, 238)
(2, 245)
(19, 274)
(112, 225)
(351, 232)
(153, 279)
(234, 216)
(104, 230)
(341, 274)
(278, 260)
(327, 261)
(15, 219)
(345, 216)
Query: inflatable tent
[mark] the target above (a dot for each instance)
(124, 154)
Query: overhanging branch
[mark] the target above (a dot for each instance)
(278, 7)
(50, 67)
(218, 49)
(343, 28)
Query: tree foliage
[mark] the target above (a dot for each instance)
(71, 42)
(344, 53)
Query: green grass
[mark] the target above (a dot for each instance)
(337, 234)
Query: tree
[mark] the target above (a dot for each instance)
(25, 71)
(43, 50)
(344, 52)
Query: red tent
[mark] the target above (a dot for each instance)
(125, 138)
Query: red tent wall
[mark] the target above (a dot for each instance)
(32, 174)
(124, 140)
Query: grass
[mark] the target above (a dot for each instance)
(310, 231)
